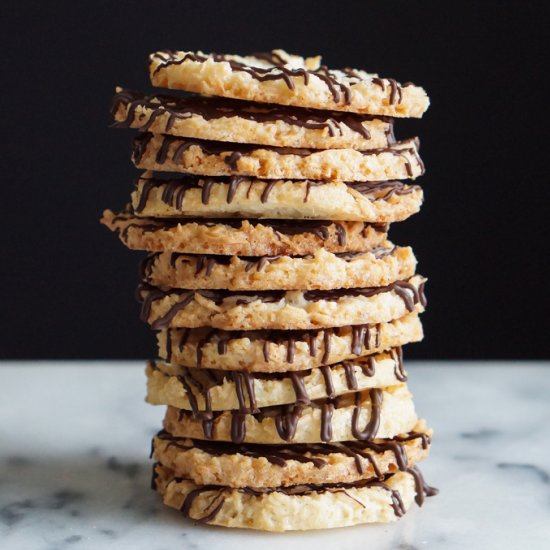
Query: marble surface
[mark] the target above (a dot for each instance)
(74, 470)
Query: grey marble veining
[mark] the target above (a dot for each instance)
(74, 470)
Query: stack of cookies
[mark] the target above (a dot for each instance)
(279, 303)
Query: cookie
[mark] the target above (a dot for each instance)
(382, 413)
(277, 77)
(203, 389)
(283, 350)
(216, 158)
(279, 309)
(323, 270)
(219, 119)
(249, 465)
(243, 237)
(300, 507)
(237, 196)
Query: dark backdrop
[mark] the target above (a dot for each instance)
(67, 283)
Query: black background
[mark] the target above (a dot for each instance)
(67, 283)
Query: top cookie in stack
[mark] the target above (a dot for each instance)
(281, 305)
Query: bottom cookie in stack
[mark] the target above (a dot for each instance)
(291, 487)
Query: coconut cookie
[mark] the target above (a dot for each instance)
(219, 119)
(283, 350)
(279, 309)
(243, 237)
(277, 77)
(323, 270)
(377, 412)
(216, 158)
(237, 196)
(203, 389)
(249, 465)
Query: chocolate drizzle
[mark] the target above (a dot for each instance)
(397, 356)
(373, 424)
(213, 508)
(326, 421)
(259, 263)
(212, 108)
(300, 390)
(271, 57)
(397, 503)
(338, 86)
(232, 189)
(286, 419)
(409, 294)
(339, 91)
(351, 379)
(154, 294)
(422, 489)
(361, 338)
(329, 384)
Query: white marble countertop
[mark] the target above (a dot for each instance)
(74, 467)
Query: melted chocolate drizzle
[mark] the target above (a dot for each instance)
(421, 487)
(373, 424)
